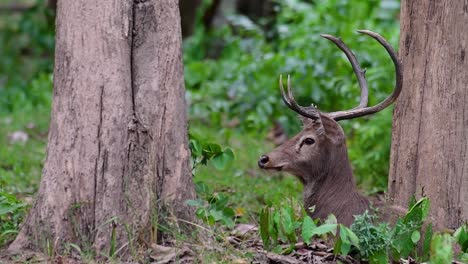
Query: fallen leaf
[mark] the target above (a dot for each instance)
(162, 254)
(242, 229)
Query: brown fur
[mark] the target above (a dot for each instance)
(323, 168)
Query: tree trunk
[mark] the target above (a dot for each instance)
(430, 135)
(117, 147)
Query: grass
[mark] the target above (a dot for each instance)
(248, 187)
(21, 162)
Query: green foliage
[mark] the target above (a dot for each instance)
(374, 239)
(406, 232)
(286, 225)
(11, 215)
(379, 242)
(346, 239)
(211, 207)
(21, 162)
(461, 237)
(308, 227)
(26, 45)
(441, 249)
(366, 239)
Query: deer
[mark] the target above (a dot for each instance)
(318, 155)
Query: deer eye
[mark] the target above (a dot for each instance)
(309, 141)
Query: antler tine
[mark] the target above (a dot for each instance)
(283, 93)
(360, 74)
(288, 98)
(358, 112)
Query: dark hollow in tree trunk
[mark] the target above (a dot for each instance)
(117, 147)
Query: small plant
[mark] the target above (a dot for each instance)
(374, 239)
(379, 243)
(366, 238)
(285, 225)
(461, 237)
(212, 208)
(11, 215)
(345, 241)
(441, 249)
(407, 231)
(202, 152)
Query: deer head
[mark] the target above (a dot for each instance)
(318, 154)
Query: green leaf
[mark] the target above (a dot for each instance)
(228, 222)
(337, 247)
(415, 236)
(418, 212)
(210, 150)
(347, 238)
(463, 257)
(220, 160)
(351, 235)
(217, 215)
(229, 212)
(195, 148)
(331, 219)
(324, 229)
(427, 242)
(287, 224)
(220, 201)
(202, 189)
(441, 249)
(10, 208)
(379, 257)
(274, 226)
(265, 226)
(461, 236)
(308, 227)
(210, 220)
(345, 243)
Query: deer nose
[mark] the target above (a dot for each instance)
(262, 161)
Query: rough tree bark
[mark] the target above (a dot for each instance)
(117, 146)
(430, 135)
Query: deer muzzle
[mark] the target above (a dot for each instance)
(264, 159)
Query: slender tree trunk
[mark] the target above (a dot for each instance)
(430, 136)
(117, 147)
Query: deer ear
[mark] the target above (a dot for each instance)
(333, 130)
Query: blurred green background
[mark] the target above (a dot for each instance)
(234, 52)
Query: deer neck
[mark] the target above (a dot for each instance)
(334, 192)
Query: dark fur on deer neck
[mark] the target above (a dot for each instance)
(332, 188)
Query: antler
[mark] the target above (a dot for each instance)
(361, 109)
(288, 98)
(360, 74)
